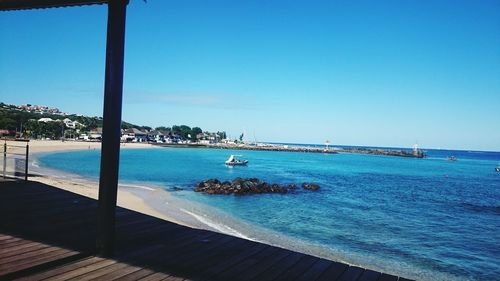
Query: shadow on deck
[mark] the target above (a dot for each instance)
(46, 232)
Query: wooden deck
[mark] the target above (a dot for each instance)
(48, 233)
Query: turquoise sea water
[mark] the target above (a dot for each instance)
(429, 219)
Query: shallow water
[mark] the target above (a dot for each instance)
(428, 219)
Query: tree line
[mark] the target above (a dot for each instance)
(25, 123)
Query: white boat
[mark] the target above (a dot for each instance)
(233, 161)
(497, 169)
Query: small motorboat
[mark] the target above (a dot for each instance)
(233, 161)
(452, 158)
(497, 168)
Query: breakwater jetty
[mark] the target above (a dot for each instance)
(383, 151)
(415, 153)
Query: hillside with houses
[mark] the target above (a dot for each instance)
(43, 122)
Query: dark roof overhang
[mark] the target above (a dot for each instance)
(8, 5)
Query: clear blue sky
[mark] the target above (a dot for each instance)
(385, 73)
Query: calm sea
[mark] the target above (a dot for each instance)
(429, 219)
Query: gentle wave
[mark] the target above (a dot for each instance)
(137, 186)
(222, 228)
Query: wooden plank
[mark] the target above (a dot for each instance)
(300, 267)
(232, 258)
(155, 277)
(205, 252)
(53, 262)
(115, 275)
(51, 210)
(134, 256)
(81, 270)
(189, 246)
(3, 237)
(176, 244)
(14, 243)
(61, 269)
(5, 242)
(352, 274)
(21, 249)
(284, 265)
(223, 252)
(269, 262)
(369, 275)
(147, 231)
(387, 277)
(19, 265)
(315, 271)
(38, 204)
(235, 270)
(47, 222)
(25, 244)
(101, 271)
(333, 272)
(136, 275)
(27, 255)
(174, 278)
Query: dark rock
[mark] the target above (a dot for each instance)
(239, 186)
(310, 186)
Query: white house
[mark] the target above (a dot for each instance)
(156, 136)
(134, 135)
(71, 124)
(45, 120)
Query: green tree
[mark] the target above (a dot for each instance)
(7, 123)
(163, 129)
(222, 135)
(32, 129)
(194, 132)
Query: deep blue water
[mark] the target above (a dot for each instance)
(421, 218)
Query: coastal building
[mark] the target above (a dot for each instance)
(4, 132)
(134, 135)
(41, 109)
(46, 120)
(95, 134)
(71, 124)
(155, 136)
(208, 138)
(84, 137)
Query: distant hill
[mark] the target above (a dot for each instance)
(23, 120)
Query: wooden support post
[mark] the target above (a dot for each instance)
(110, 153)
(4, 158)
(26, 162)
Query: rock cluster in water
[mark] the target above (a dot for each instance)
(310, 186)
(241, 186)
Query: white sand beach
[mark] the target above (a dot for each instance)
(88, 188)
